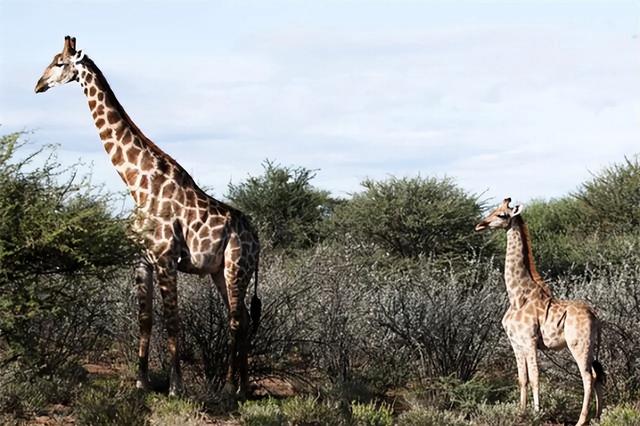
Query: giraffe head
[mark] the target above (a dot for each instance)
(500, 218)
(63, 67)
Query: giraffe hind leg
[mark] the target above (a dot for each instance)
(598, 374)
(243, 352)
(144, 289)
(238, 332)
(523, 379)
(584, 359)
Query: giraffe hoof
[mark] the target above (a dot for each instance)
(229, 389)
(241, 394)
(174, 391)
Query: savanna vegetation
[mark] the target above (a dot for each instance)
(382, 308)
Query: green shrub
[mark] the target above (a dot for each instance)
(429, 417)
(559, 245)
(371, 414)
(354, 390)
(170, 411)
(205, 324)
(466, 396)
(26, 395)
(560, 404)
(10, 420)
(579, 230)
(620, 415)
(611, 199)
(504, 414)
(284, 206)
(308, 411)
(451, 394)
(411, 217)
(429, 304)
(110, 403)
(60, 246)
(266, 412)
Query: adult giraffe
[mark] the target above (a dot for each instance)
(535, 319)
(181, 227)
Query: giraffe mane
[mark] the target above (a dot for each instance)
(116, 104)
(529, 260)
(155, 149)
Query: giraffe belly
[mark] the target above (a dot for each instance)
(200, 263)
(552, 338)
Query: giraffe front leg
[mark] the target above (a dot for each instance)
(167, 280)
(521, 361)
(532, 371)
(144, 289)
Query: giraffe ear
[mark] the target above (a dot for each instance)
(517, 210)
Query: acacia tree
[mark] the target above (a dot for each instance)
(611, 199)
(283, 204)
(600, 223)
(59, 247)
(411, 217)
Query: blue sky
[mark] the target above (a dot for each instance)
(509, 98)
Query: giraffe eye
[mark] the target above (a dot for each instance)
(503, 216)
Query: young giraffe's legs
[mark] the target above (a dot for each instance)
(523, 380)
(167, 274)
(144, 288)
(532, 371)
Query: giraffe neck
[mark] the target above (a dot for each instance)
(136, 159)
(520, 274)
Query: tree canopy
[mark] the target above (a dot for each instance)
(411, 216)
(57, 238)
(283, 204)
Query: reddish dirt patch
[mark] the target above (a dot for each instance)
(273, 386)
(101, 369)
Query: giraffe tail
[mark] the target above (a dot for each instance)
(598, 370)
(256, 303)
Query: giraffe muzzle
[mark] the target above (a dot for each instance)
(481, 226)
(41, 86)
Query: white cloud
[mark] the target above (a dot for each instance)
(521, 109)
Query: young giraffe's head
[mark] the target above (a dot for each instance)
(63, 68)
(501, 217)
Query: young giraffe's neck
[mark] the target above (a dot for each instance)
(136, 159)
(520, 274)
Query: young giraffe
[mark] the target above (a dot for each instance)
(535, 319)
(181, 227)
